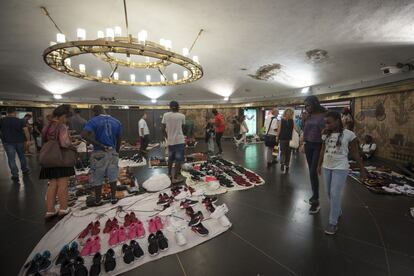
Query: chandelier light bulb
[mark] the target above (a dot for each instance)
(51, 43)
(60, 38)
(148, 78)
(101, 34)
(175, 77)
(185, 52)
(168, 44)
(195, 59)
(116, 76)
(162, 42)
(162, 78)
(132, 76)
(81, 34)
(82, 68)
(185, 74)
(154, 101)
(118, 31)
(142, 36)
(68, 62)
(99, 73)
(110, 33)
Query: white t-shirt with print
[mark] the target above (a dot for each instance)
(143, 124)
(368, 147)
(174, 122)
(336, 157)
(273, 127)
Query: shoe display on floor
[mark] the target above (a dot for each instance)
(188, 203)
(196, 218)
(153, 248)
(200, 230)
(314, 209)
(158, 223)
(136, 249)
(180, 238)
(128, 254)
(162, 241)
(95, 269)
(109, 260)
(79, 267)
(331, 229)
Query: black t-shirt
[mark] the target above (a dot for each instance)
(286, 130)
(39, 127)
(12, 130)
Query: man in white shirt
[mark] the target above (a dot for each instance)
(172, 126)
(271, 130)
(143, 132)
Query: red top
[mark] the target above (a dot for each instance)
(219, 122)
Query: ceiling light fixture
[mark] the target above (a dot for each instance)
(305, 90)
(57, 96)
(111, 42)
(154, 101)
(226, 99)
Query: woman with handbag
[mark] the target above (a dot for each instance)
(57, 148)
(286, 126)
(270, 137)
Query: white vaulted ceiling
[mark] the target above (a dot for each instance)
(240, 36)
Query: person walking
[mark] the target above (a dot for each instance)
(312, 143)
(210, 136)
(76, 122)
(243, 131)
(220, 128)
(14, 134)
(104, 132)
(172, 126)
(270, 127)
(333, 163)
(58, 176)
(37, 132)
(236, 127)
(144, 133)
(27, 120)
(286, 126)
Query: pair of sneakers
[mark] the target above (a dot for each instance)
(117, 235)
(91, 247)
(157, 242)
(155, 224)
(132, 251)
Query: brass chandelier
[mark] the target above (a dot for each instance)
(110, 43)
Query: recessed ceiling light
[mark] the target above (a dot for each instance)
(57, 96)
(226, 98)
(154, 100)
(305, 90)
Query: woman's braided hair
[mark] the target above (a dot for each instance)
(337, 117)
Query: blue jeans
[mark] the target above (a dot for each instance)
(104, 164)
(11, 150)
(335, 181)
(176, 153)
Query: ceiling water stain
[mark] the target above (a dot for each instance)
(267, 72)
(317, 55)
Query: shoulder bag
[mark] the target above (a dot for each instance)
(270, 140)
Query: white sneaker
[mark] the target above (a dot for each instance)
(224, 221)
(182, 195)
(180, 238)
(199, 192)
(219, 212)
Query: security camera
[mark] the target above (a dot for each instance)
(390, 70)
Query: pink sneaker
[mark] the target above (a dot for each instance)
(96, 245)
(113, 237)
(133, 217)
(158, 223)
(140, 229)
(152, 227)
(132, 231)
(121, 234)
(86, 250)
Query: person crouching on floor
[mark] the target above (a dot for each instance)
(334, 163)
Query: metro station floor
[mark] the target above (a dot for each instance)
(272, 232)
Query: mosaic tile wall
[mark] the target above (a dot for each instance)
(389, 119)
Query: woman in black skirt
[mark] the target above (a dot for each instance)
(58, 176)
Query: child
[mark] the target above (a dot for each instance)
(334, 163)
(210, 136)
(368, 147)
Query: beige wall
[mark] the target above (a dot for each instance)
(389, 118)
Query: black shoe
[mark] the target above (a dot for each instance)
(26, 172)
(153, 248)
(66, 268)
(196, 219)
(200, 230)
(312, 200)
(63, 255)
(128, 253)
(114, 200)
(15, 179)
(96, 265)
(80, 269)
(162, 241)
(109, 262)
(331, 229)
(136, 249)
(314, 209)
